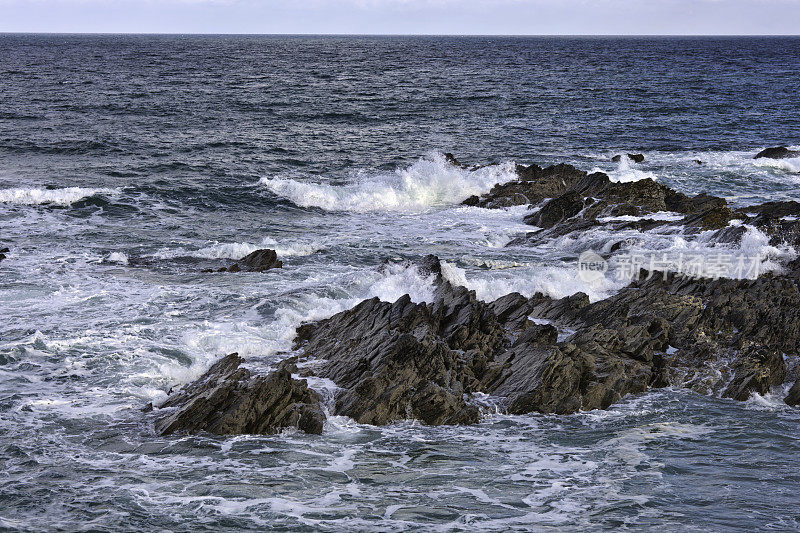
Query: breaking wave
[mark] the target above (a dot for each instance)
(36, 196)
(429, 182)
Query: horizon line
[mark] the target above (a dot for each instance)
(343, 34)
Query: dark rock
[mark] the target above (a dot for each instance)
(697, 161)
(258, 261)
(777, 152)
(229, 400)
(758, 370)
(261, 261)
(3, 253)
(557, 210)
(533, 185)
(404, 360)
(793, 398)
(636, 158)
(450, 158)
(429, 265)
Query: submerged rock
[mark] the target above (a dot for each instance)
(3, 252)
(229, 400)
(777, 152)
(636, 158)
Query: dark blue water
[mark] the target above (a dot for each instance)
(130, 163)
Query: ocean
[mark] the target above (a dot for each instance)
(128, 164)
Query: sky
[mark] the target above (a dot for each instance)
(439, 17)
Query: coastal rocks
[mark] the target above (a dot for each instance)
(779, 220)
(596, 196)
(777, 152)
(533, 185)
(258, 261)
(636, 158)
(3, 252)
(428, 361)
(403, 360)
(229, 400)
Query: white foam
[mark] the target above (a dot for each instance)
(117, 257)
(66, 196)
(237, 250)
(553, 281)
(431, 181)
(660, 215)
(624, 173)
(789, 164)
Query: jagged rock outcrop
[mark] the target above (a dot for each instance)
(407, 360)
(779, 220)
(777, 152)
(595, 196)
(230, 400)
(258, 261)
(425, 361)
(533, 185)
(3, 252)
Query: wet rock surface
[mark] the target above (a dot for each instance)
(424, 361)
(229, 400)
(258, 261)
(636, 158)
(777, 152)
(533, 185)
(3, 252)
(434, 362)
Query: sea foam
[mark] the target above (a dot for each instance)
(429, 182)
(36, 196)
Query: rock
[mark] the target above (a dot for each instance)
(533, 185)
(697, 161)
(450, 158)
(3, 253)
(229, 400)
(261, 261)
(557, 210)
(595, 196)
(636, 158)
(405, 360)
(793, 398)
(777, 152)
(779, 220)
(258, 261)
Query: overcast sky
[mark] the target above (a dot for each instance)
(497, 17)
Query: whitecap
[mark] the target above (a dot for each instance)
(35, 196)
(431, 181)
(624, 173)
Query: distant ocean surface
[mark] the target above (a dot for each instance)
(130, 163)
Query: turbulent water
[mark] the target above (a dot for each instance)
(129, 164)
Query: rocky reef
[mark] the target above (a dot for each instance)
(437, 362)
(229, 400)
(426, 361)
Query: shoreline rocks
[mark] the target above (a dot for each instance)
(428, 361)
(432, 362)
(230, 400)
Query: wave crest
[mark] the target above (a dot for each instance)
(429, 182)
(36, 196)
